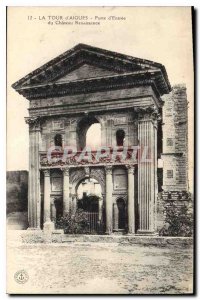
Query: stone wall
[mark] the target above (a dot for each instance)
(17, 199)
(175, 140)
(73, 129)
(165, 198)
(175, 152)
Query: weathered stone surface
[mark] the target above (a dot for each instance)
(17, 199)
(175, 139)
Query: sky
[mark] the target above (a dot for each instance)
(161, 34)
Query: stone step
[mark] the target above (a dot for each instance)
(128, 239)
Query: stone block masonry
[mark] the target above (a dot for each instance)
(175, 140)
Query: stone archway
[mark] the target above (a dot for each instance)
(82, 127)
(91, 203)
(78, 174)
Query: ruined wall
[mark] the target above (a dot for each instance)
(175, 140)
(17, 199)
(175, 152)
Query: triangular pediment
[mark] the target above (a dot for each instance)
(83, 62)
(86, 71)
(87, 68)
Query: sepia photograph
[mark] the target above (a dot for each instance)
(100, 145)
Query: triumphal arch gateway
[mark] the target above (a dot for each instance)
(81, 87)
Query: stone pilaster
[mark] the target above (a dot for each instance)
(47, 203)
(34, 198)
(147, 170)
(131, 199)
(109, 206)
(155, 123)
(48, 224)
(66, 196)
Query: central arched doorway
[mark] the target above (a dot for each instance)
(89, 200)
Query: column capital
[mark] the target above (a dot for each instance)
(46, 172)
(108, 170)
(33, 122)
(148, 112)
(131, 169)
(65, 171)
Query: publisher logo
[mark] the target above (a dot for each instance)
(21, 276)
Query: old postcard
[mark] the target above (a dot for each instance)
(99, 173)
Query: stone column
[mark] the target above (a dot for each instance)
(147, 171)
(109, 206)
(53, 212)
(48, 224)
(66, 204)
(115, 216)
(34, 197)
(131, 200)
(100, 209)
(156, 169)
(73, 204)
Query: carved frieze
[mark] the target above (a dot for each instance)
(58, 158)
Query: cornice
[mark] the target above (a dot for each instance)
(95, 84)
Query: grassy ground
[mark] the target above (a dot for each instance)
(106, 268)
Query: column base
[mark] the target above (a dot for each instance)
(108, 232)
(131, 234)
(147, 232)
(48, 227)
(33, 228)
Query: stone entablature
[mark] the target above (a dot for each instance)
(57, 159)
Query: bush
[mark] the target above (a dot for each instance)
(179, 221)
(74, 223)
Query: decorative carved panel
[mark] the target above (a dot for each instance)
(56, 184)
(120, 120)
(57, 125)
(76, 174)
(119, 179)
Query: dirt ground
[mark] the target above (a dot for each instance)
(98, 268)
